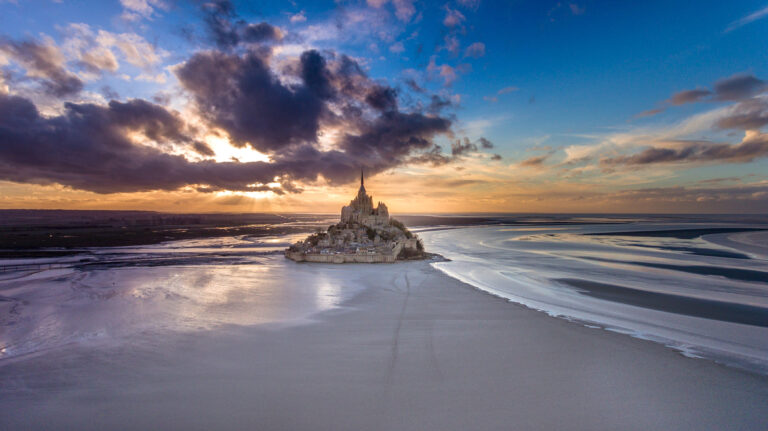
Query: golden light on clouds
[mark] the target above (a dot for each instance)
(226, 152)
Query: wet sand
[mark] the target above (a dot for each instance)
(738, 274)
(678, 304)
(680, 233)
(750, 242)
(414, 350)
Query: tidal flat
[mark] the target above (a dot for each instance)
(396, 347)
(225, 333)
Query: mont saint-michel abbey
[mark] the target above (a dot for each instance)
(360, 209)
(365, 235)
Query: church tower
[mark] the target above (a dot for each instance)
(361, 207)
(361, 192)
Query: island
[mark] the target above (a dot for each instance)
(364, 235)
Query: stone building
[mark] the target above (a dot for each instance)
(360, 209)
(365, 234)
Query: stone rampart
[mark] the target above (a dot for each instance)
(344, 258)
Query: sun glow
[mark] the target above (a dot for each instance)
(256, 195)
(226, 152)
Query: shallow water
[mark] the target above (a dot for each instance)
(691, 293)
(108, 295)
(676, 287)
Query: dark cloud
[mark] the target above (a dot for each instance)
(87, 148)
(316, 76)
(433, 157)
(389, 139)
(654, 155)
(689, 96)
(350, 79)
(382, 98)
(462, 146)
(241, 95)
(719, 180)
(460, 183)
(438, 103)
(307, 163)
(737, 87)
(161, 98)
(226, 29)
(260, 32)
(485, 143)
(750, 114)
(465, 146)
(203, 149)
(752, 147)
(44, 63)
(649, 113)
(535, 161)
(414, 86)
(218, 17)
(109, 93)
(133, 146)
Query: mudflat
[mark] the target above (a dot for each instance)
(414, 350)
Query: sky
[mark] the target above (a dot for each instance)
(580, 106)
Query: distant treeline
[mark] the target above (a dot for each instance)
(26, 232)
(62, 218)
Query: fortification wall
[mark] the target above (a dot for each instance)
(342, 258)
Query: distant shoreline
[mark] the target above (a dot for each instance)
(50, 233)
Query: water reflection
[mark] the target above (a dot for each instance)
(327, 292)
(112, 302)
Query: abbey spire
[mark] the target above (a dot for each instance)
(361, 192)
(361, 210)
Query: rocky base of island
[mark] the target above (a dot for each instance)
(352, 242)
(365, 234)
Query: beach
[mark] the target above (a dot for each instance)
(400, 347)
(688, 286)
